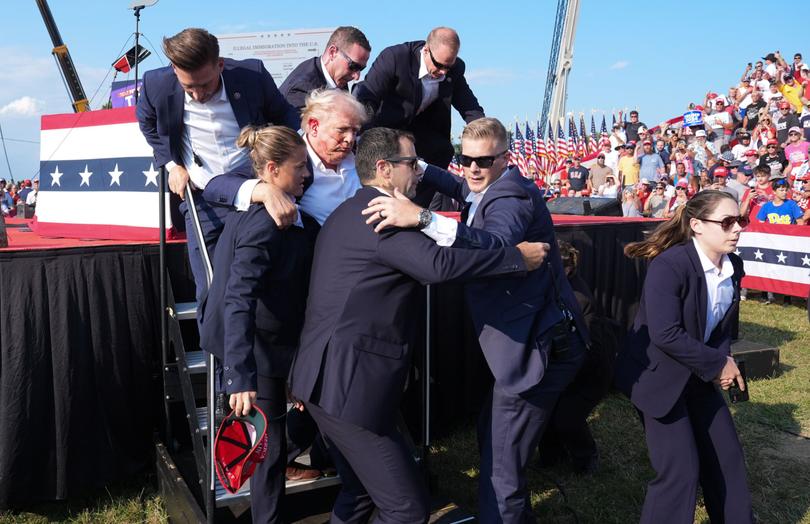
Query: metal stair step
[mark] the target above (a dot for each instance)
(195, 361)
(185, 310)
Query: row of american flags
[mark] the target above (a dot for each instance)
(541, 152)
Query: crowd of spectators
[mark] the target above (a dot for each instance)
(752, 142)
(11, 194)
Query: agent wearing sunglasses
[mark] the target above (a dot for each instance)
(678, 353)
(515, 318)
(780, 210)
(412, 86)
(346, 55)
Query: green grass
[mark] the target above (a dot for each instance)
(778, 460)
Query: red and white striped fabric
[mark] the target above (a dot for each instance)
(776, 258)
(98, 179)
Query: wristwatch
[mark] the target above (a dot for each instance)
(424, 217)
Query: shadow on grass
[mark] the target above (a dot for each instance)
(765, 334)
(134, 500)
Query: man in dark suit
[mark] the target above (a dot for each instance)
(191, 113)
(346, 54)
(531, 330)
(358, 337)
(412, 86)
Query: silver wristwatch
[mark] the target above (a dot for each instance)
(425, 217)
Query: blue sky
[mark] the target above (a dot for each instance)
(655, 57)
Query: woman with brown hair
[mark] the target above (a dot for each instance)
(676, 359)
(253, 312)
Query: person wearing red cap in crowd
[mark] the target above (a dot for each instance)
(774, 158)
(718, 121)
(680, 198)
(797, 153)
(743, 145)
(579, 177)
(791, 90)
(611, 155)
(784, 121)
(751, 158)
(25, 189)
(720, 177)
(651, 165)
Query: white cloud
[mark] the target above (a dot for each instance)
(621, 64)
(23, 106)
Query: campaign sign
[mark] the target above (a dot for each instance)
(692, 118)
(122, 94)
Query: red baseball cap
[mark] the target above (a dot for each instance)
(720, 171)
(750, 152)
(772, 142)
(784, 103)
(240, 445)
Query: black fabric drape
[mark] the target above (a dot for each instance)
(79, 338)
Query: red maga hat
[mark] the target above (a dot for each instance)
(240, 445)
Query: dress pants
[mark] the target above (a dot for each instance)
(376, 471)
(509, 429)
(696, 443)
(212, 222)
(267, 481)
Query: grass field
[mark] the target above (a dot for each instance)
(774, 427)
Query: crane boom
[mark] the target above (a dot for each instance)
(560, 61)
(63, 59)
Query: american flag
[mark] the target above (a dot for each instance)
(520, 157)
(542, 152)
(562, 144)
(603, 129)
(777, 258)
(613, 122)
(455, 166)
(528, 144)
(551, 149)
(584, 147)
(573, 137)
(99, 179)
(594, 142)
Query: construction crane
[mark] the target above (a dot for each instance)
(60, 52)
(559, 63)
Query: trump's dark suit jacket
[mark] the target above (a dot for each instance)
(305, 78)
(665, 345)
(509, 313)
(250, 89)
(362, 313)
(252, 315)
(393, 92)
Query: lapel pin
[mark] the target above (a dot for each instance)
(237, 95)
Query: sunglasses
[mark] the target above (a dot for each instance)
(481, 161)
(439, 65)
(354, 67)
(411, 161)
(680, 189)
(794, 133)
(771, 147)
(728, 222)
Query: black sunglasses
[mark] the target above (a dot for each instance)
(354, 67)
(439, 65)
(728, 222)
(481, 161)
(411, 161)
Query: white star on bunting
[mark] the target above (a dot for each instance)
(151, 175)
(55, 176)
(758, 254)
(737, 252)
(806, 261)
(115, 175)
(86, 174)
(781, 256)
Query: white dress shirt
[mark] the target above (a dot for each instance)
(430, 85)
(329, 82)
(719, 287)
(210, 131)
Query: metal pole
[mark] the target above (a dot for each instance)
(137, 40)
(164, 309)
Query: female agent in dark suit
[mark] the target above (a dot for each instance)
(253, 313)
(678, 354)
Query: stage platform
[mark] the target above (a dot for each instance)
(80, 376)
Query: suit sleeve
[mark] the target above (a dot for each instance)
(464, 99)
(414, 254)
(443, 182)
(222, 189)
(147, 121)
(662, 292)
(277, 110)
(296, 96)
(251, 262)
(377, 82)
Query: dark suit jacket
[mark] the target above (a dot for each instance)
(393, 92)
(509, 313)
(665, 346)
(251, 91)
(305, 78)
(252, 315)
(362, 313)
